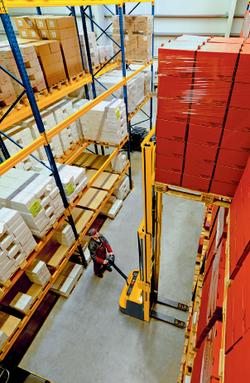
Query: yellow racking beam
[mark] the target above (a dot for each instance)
(61, 3)
(51, 98)
(23, 153)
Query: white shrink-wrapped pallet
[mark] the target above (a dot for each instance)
(35, 196)
(106, 122)
(122, 189)
(38, 273)
(16, 242)
(119, 162)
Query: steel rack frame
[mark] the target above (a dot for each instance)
(8, 119)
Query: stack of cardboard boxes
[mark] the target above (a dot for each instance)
(16, 242)
(50, 57)
(31, 63)
(138, 37)
(7, 91)
(203, 142)
(60, 28)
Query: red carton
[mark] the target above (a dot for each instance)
(168, 163)
(195, 183)
(206, 135)
(169, 147)
(167, 177)
(233, 158)
(223, 188)
(236, 140)
(170, 130)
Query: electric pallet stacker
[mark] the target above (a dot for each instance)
(139, 296)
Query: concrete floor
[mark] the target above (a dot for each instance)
(87, 339)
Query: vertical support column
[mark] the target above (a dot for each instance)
(86, 39)
(38, 10)
(157, 246)
(92, 26)
(125, 92)
(3, 148)
(152, 69)
(78, 35)
(37, 116)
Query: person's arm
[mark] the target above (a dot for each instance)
(92, 249)
(106, 244)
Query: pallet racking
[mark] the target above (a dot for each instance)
(36, 102)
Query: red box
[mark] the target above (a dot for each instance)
(167, 177)
(197, 368)
(168, 163)
(175, 62)
(169, 86)
(227, 174)
(202, 168)
(201, 152)
(207, 115)
(195, 183)
(211, 91)
(236, 140)
(223, 188)
(243, 74)
(233, 158)
(172, 110)
(238, 119)
(169, 147)
(170, 130)
(237, 362)
(201, 134)
(240, 96)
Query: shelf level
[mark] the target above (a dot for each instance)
(44, 101)
(7, 346)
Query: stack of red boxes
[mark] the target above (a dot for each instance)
(238, 302)
(203, 140)
(209, 331)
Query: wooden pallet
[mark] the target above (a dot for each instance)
(77, 77)
(58, 85)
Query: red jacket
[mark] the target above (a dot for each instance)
(99, 249)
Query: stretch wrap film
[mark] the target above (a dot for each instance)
(203, 115)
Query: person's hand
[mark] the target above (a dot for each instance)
(105, 262)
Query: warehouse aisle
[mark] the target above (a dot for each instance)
(87, 339)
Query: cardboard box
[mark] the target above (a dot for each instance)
(60, 22)
(41, 22)
(51, 61)
(223, 188)
(169, 163)
(172, 147)
(29, 34)
(24, 22)
(170, 130)
(201, 134)
(62, 34)
(22, 302)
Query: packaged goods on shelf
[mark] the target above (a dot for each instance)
(49, 53)
(8, 323)
(202, 138)
(112, 207)
(119, 162)
(60, 28)
(93, 50)
(64, 235)
(35, 196)
(22, 302)
(3, 338)
(67, 280)
(147, 77)
(7, 91)
(77, 104)
(105, 53)
(135, 88)
(138, 36)
(38, 273)
(61, 111)
(122, 189)
(22, 136)
(31, 62)
(73, 178)
(106, 122)
(16, 242)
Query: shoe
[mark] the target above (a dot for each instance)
(109, 269)
(99, 275)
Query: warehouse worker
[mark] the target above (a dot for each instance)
(100, 250)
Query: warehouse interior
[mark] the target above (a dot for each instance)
(124, 191)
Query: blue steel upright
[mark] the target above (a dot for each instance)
(125, 92)
(37, 116)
